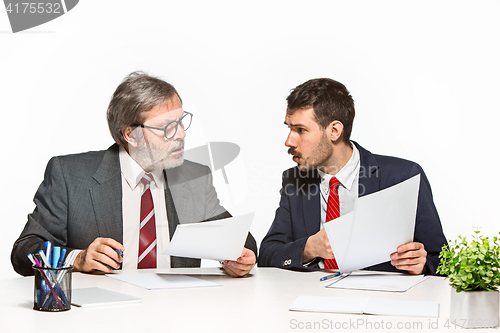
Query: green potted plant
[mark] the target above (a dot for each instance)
(473, 271)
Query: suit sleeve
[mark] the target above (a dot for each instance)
(280, 247)
(428, 229)
(214, 211)
(48, 222)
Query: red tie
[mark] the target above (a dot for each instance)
(147, 233)
(332, 212)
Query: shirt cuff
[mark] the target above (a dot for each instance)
(313, 262)
(70, 258)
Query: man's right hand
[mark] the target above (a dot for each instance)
(100, 255)
(317, 245)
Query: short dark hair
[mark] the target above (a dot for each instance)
(330, 101)
(138, 92)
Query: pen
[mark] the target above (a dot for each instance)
(37, 259)
(48, 253)
(120, 253)
(30, 257)
(61, 258)
(330, 276)
(55, 256)
(44, 259)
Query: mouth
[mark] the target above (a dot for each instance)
(177, 151)
(296, 157)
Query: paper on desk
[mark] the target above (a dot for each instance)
(365, 305)
(379, 223)
(378, 282)
(219, 240)
(162, 280)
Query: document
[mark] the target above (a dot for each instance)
(219, 240)
(379, 223)
(378, 282)
(365, 305)
(162, 280)
(97, 296)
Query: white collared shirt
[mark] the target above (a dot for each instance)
(131, 208)
(348, 177)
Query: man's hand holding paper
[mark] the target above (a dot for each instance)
(221, 240)
(242, 266)
(317, 245)
(380, 223)
(410, 257)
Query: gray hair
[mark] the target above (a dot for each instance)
(138, 93)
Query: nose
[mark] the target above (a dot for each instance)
(290, 142)
(179, 134)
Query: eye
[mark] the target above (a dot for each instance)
(300, 130)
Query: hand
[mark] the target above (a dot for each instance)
(317, 245)
(100, 255)
(242, 266)
(410, 257)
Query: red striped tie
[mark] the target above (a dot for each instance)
(332, 212)
(147, 233)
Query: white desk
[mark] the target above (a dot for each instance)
(258, 303)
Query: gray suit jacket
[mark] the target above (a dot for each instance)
(80, 199)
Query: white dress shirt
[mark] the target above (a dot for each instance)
(131, 209)
(132, 189)
(348, 177)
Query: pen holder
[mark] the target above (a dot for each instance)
(52, 289)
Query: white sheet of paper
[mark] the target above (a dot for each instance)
(353, 305)
(378, 282)
(162, 280)
(388, 307)
(98, 296)
(379, 223)
(219, 240)
(366, 305)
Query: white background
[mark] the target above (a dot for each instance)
(424, 76)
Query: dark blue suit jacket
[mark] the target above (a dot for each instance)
(299, 213)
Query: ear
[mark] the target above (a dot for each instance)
(129, 136)
(336, 128)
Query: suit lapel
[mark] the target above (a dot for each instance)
(179, 190)
(311, 203)
(107, 196)
(182, 194)
(369, 181)
(173, 218)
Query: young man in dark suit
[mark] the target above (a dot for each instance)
(330, 167)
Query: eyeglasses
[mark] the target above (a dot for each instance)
(171, 127)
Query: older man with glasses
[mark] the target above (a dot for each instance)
(129, 198)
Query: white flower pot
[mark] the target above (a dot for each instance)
(474, 309)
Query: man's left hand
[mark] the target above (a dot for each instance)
(243, 265)
(410, 257)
